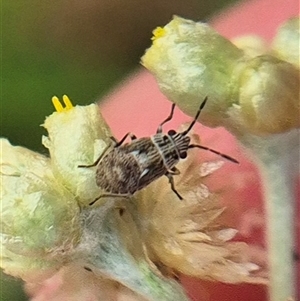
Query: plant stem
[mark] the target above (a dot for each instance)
(280, 230)
(278, 160)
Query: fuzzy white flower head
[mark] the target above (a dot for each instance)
(76, 136)
(41, 196)
(47, 229)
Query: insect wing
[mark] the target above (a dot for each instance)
(149, 160)
(118, 172)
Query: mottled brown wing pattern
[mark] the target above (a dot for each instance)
(148, 158)
(118, 172)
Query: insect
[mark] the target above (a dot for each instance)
(129, 167)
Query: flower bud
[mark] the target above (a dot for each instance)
(246, 92)
(286, 44)
(84, 133)
(268, 96)
(252, 45)
(191, 61)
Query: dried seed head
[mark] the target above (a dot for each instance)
(189, 236)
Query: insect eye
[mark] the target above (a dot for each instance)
(171, 132)
(183, 155)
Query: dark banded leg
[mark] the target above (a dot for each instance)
(171, 181)
(116, 144)
(109, 195)
(174, 171)
(97, 161)
(159, 129)
(132, 137)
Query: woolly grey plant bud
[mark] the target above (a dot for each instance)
(286, 44)
(268, 96)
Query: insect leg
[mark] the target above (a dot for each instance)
(174, 171)
(215, 152)
(132, 137)
(97, 161)
(115, 141)
(109, 195)
(159, 129)
(171, 181)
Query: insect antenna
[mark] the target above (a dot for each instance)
(204, 147)
(196, 117)
(214, 151)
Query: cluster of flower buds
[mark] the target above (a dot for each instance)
(250, 88)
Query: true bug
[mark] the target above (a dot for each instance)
(127, 168)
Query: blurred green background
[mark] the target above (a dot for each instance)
(74, 47)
